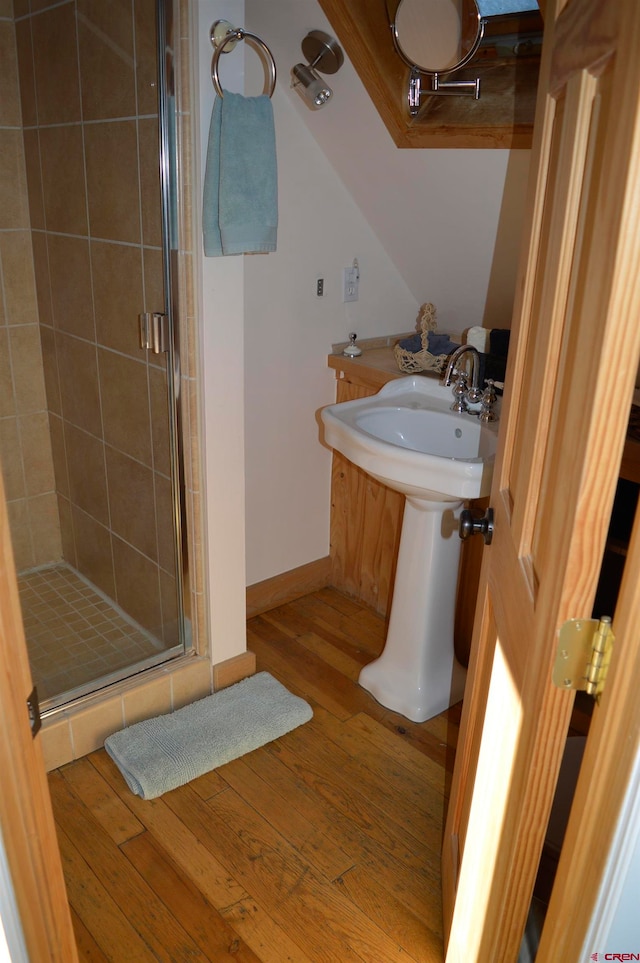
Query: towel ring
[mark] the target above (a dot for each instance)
(232, 36)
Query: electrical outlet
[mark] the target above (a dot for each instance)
(319, 287)
(350, 280)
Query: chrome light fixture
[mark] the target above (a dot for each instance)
(323, 54)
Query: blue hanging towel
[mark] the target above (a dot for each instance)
(240, 202)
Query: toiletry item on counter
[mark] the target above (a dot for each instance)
(352, 350)
(478, 338)
(493, 361)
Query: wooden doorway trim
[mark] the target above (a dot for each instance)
(26, 817)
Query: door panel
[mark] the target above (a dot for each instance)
(570, 379)
(26, 818)
(610, 755)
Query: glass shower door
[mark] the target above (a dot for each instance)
(101, 588)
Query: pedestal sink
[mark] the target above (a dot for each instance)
(407, 437)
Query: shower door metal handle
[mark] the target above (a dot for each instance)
(154, 331)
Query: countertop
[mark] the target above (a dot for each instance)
(373, 362)
(375, 366)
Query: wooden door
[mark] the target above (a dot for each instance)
(570, 380)
(26, 818)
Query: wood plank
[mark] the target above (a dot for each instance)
(149, 917)
(364, 639)
(435, 737)
(318, 848)
(196, 860)
(233, 670)
(322, 642)
(339, 601)
(419, 889)
(307, 907)
(373, 765)
(312, 679)
(198, 864)
(266, 938)
(382, 740)
(370, 894)
(105, 805)
(265, 595)
(320, 829)
(205, 925)
(366, 520)
(359, 373)
(366, 628)
(303, 671)
(414, 836)
(97, 909)
(88, 949)
(208, 784)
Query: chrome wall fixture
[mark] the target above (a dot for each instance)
(434, 42)
(224, 36)
(323, 54)
(437, 39)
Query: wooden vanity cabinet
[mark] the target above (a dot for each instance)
(366, 518)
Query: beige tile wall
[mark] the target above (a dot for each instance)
(73, 268)
(87, 71)
(25, 446)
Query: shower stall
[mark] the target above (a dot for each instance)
(90, 445)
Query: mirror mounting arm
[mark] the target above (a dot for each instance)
(442, 88)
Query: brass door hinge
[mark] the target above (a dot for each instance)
(583, 656)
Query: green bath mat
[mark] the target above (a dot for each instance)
(160, 754)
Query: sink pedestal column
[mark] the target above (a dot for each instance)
(418, 674)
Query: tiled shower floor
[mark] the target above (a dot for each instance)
(75, 635)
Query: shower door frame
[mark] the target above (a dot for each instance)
(167, 41)
(168, 161)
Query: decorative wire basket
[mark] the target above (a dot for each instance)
(422, 360)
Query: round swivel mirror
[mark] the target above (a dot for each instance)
(436, 36)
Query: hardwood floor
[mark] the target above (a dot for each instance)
(320, 847)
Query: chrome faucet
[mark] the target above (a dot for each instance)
(461, 392)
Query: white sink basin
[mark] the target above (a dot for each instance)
(407, 437)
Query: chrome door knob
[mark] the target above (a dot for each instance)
(472, 524)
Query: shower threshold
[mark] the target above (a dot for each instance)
(78, 640)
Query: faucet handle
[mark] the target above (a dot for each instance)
(487, 401)
(460, 392)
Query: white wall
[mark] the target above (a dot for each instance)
(288, 334)
(614, 923)
(221, 311)
(423, 224)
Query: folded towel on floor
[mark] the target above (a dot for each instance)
(240, 198)
(160, 754)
